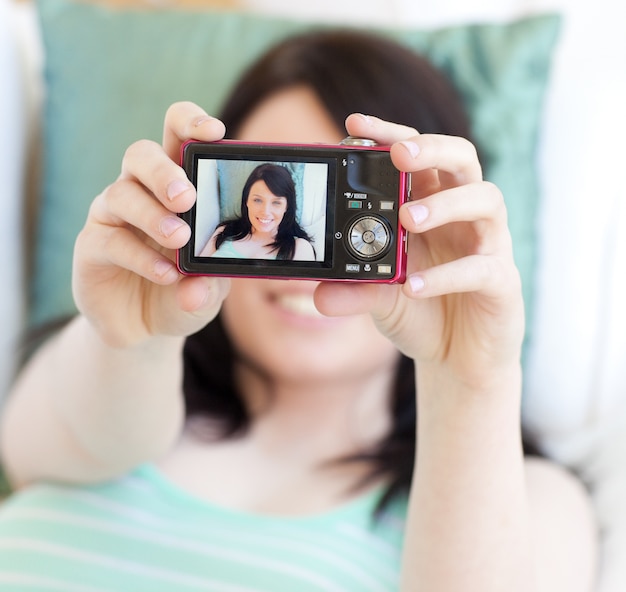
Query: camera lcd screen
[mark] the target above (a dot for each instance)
(258, 210)
(321, 212)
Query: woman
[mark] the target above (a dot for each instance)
(293, 458)
(267, 227)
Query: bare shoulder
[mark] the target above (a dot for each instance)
(565, 535)
(304, 250)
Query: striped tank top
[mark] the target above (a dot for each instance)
(143, 533)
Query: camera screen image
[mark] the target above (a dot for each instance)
(260, 210)
(319, 212)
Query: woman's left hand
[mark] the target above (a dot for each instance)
(461, 305)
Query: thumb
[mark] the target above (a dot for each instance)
(194, 302)
(343, 299)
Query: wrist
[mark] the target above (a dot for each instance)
(144, 345)
(475, 382)
(498, 390)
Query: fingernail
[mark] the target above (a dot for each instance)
(163, 268)
(175, 188)
(412, 148)
(205, 298)
(170, 225)
(416, 282)
(418, 212)
(198, 122)
(366, 118)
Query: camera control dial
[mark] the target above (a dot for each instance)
(369, 237)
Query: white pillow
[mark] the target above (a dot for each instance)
(12, 146)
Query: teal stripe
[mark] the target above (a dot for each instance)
(143, 533)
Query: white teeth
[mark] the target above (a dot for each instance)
(301, 304)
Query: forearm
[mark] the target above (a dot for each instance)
(83, 411)
(468, 519)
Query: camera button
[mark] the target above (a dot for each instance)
(353, 268)
(368, 237)
(359, 142)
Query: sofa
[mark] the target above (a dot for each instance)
(575, 354)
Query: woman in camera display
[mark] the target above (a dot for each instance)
(267, 227)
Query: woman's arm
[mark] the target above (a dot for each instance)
(84, 411)
(105, 393)
(469, 521)
(210, 248)
(481, 516)
(460, 316)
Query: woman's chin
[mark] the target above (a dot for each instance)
(277, 324)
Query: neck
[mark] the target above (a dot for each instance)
(259, 236)
(331, 417)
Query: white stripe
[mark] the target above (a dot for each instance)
(15, 544)
(321, 551)
(17, 579)
(205, 549)
(360, 535)
(104, 503)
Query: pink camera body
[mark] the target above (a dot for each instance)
(318, 212)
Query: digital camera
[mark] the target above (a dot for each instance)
(323, 212)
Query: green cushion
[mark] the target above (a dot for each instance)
(112, 73)
(5, 488)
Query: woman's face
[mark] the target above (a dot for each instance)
(265, 210)
(274, 323)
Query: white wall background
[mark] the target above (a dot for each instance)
(12, 146)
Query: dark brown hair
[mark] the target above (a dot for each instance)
(350, 71)
(353, 71)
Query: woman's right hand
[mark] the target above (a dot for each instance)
(125, 279)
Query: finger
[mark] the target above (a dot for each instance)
(198, 299)
(454, 158)
(187, 121)
(120, 248)
(201, 294)
(146, 163)
(479, 203)
(383, 132)
(126, 203)
(417, 151)
(492, 276)
(334, 299)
